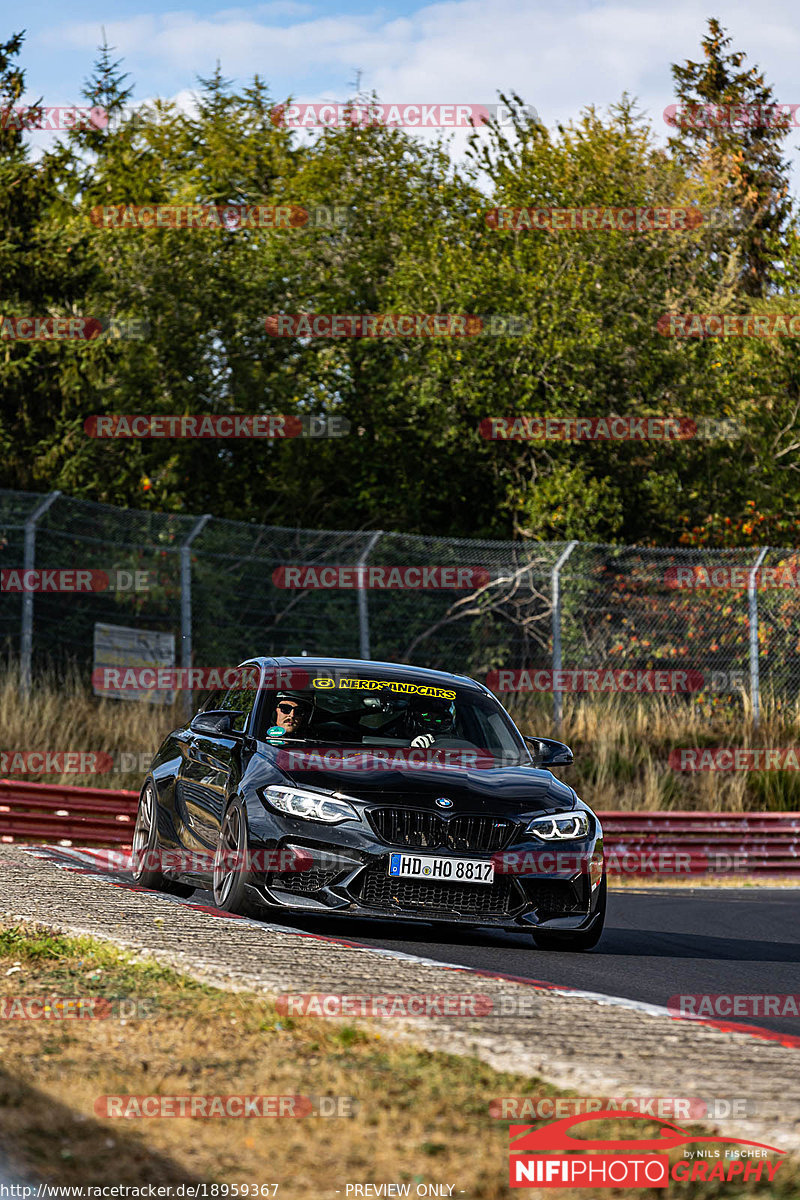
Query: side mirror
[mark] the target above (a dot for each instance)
(216, 721)
(549, 753)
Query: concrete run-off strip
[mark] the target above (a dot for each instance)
(594, 1044)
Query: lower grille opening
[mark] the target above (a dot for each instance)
(302, 882)
(377, 889)
(558, 897)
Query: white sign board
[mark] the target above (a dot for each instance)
(117, 647)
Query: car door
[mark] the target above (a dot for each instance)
(212, 762)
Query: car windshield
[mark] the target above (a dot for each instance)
(376, 713)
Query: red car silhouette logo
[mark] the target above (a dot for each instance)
(526, 1139)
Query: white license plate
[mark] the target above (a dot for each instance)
(431, 868)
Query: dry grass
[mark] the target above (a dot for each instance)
(621, 744)
(422, 1116)
(622, 748)
(62, 714)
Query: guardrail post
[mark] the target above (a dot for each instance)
(752, 604)
(186, 603)
(26, 632)
(556, 586)
(363, 609)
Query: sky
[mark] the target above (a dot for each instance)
(557, 57)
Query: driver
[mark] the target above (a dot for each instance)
(292, 713)
(431, 719)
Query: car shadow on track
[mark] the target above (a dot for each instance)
(425, 939)
(657, 943)
(639, 943)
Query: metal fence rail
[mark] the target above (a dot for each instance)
(540, 606)
(84, 816)
(763, 843)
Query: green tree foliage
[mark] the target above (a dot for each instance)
(416, 240)
(43, 271)
(731, 141)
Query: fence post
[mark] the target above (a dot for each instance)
(556, 585)
(29, 559)
(186, 604)
(363, 610)
(752, 604)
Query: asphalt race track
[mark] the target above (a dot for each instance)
(744, 941)
(657, 943)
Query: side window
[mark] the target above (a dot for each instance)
(239, 699)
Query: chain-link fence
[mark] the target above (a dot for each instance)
(542, 617)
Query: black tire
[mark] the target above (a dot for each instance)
(586, 939)
(146, 846)
(231, 878)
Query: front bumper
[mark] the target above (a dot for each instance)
(349, 876)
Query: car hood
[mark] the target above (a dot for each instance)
(501, 789)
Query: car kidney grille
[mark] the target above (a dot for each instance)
(418, 830)
(375, 888)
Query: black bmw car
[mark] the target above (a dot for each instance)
(371, 789)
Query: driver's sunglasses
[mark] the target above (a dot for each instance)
(288, 708)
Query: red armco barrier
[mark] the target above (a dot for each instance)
(83, 816)
(764, 843)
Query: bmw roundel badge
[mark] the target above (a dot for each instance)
(443, 802)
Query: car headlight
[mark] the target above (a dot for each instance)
(296, 802)
(559, 829)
